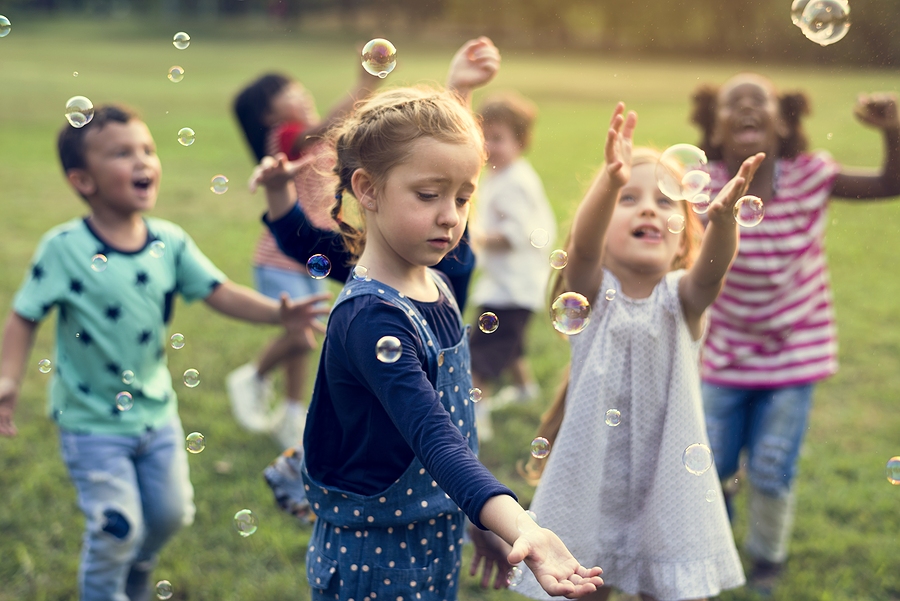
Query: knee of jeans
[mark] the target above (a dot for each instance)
(115, 534)
(771, 466)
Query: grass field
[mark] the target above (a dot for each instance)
(846, 544)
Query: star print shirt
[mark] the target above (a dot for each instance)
(114, 308)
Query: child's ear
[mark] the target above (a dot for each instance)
(82, 181)
(363, 188)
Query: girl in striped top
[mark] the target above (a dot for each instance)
(772, 330)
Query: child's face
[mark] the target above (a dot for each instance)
(122, 171)
(639, 238)
(293, 104)
(420, 212)
(501, 145)
(748, 117)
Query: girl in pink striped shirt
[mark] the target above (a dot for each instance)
(771, 331)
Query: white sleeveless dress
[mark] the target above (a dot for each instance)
(620, 496)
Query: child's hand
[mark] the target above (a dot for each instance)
(619, 144)
(492, 551)
(556, 570)
(878, 110)
(299, 317)
(9, 396)
(474, 65)
(721, 209)
(272, 172)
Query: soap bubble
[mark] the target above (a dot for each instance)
(379, 57)
(700, 203)
(749, 211)
(825, 22)
(245, 522)
(710, 495)
(674, 164)
(219, 184)
(525, 522)
(195, 442)
(539, 238)
(388, 349)
(540, 448)
(44, 366)
(177, 341)
(191, 378)
(570, 313)
(318, 267)
(360, 273)
(613, 417)
(181, 40)
(797, 7)
(533, 517)
(124, 401)
(98, 262)
(176, 74)
(475, 394)
(74, 73)
(186, 136)
(675, 223)
(697, 458)
(516, 575)
(164, 590)
(892, 470)
(610, 294)
(5, 26)
(128, 377)
(488, 322)
(693, 183)
(157, 249)
(559, 259)
(79, 111)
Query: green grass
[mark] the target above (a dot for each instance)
(845, 545)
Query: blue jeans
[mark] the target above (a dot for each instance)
(135, 493)
(769, 423)
(272, 281)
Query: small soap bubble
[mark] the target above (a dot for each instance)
(540, 238)
(749, 211)
(675, 223)
(157, 249)
(697, 458)
(98, 262)
(74, 73)
(526, 522)
(694, 182)
(674, 165)
(177, 341)
(570, 313)
(128, 377)
(245, 522)
(892, 470)
(797, 7)
(540, 448)
(195, 442)
(176, 74)
(710, 495)
(825, 22)
(191, 378)
(388, 349)
(44, 366)
(488, 322)
(186, 136)
(79, 111)
(360, 273)
(475, 394)
(219, 184)
(559, 259)
(5, 26)
(533, 516)
(181, 40)
(700, 203)
(318, 267)
(124, 401)
(164, 590)
(613, 417)
(829, 135)
(515, 577)
(379, 57)
(610, 294)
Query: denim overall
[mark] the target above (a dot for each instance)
(404, 543)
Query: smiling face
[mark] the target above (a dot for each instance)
(501, 145)
(748, 118)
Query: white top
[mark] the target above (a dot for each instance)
(620, 496)
(512, 202)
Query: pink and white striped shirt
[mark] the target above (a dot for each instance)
(773, 324)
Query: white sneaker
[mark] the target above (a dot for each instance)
(514, 394)
(288, 422)
(483, 421)
(250, 398)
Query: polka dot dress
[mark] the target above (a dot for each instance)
(620, 495)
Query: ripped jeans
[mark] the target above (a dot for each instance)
(135, 493)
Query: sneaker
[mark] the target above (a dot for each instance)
(250, 398)
(764, 577)
(288, 422)
(515, 394)
(283, 477)
(137, 585)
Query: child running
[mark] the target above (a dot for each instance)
(390, 440)
(114, 276)
(633, 402)
(772, 332)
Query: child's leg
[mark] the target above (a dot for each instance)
(727, 412)
(102, 469)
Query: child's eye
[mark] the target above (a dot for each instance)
(462, 201)
(626, 198)
(427, 195)
(664, 201)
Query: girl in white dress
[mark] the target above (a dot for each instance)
(650, 510)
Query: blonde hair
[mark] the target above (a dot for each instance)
(378, 136)
(552, 419)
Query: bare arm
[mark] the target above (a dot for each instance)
(276, 175)
(584, 271)
(474, 65)
(702, 284)
(18, 339)
(879, 111)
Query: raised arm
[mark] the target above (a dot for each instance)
(18, 339)
(584, 272)
(879, 111)
(474, 65)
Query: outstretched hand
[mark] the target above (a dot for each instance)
(475, 64)
(556, 570)
(299, 317)
(490, 553)
(721, 209)
(878, 110)
(619, 142)
(273, 172)
(9, 395)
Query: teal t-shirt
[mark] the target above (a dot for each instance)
(112, 320)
